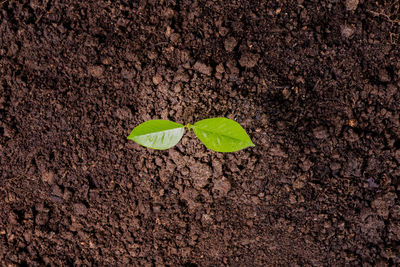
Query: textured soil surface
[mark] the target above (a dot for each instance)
(314, 83)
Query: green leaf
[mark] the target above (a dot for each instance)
(222, 134)
(157, 134)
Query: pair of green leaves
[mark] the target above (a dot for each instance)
(218, 134)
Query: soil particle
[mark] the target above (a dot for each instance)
(8, 131)
(80, 209)
(156, 209)
(232, 166)
(384, 75)
(397, 155)
(56, 191)
(177, 88)
(383, 204)
(230, 44)
(96, 71)
(157, 79)
(201, 173)
(12, 218)
(178, 158)
(394, 229)
(221, 187)
(347, 31)
(202, 68)
(335, 166)
(277, 151)
(248, 60)
(371, 227)
(351, 136)
(217, 168)
(128, 74)
(298, 184)
(220, 68)
(48, 177)
(306, 165)
(41, 218)
(189, 195)
(206, 219)
(351, 5)
(292, 199)
(123, 113)
(371, 183)
(181, 76)
(320, 132)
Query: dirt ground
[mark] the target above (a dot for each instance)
(314, 83)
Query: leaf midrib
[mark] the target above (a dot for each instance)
(159, 131)
(241, 140)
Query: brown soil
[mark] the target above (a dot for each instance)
(314, 83)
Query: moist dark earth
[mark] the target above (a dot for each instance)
(316, 84)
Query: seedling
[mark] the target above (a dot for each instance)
(218, 134)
